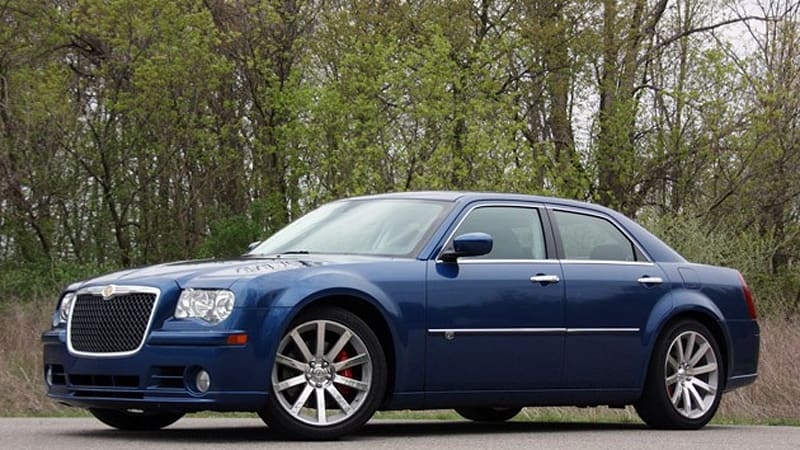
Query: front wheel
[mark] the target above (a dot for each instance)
(684, 380)
(488, 414)
(135, 420)
(328, 378)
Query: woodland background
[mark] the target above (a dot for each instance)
(139, 131)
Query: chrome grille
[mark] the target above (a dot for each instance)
(115, 325)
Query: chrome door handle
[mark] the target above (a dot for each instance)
(545, 279)
(650, 280)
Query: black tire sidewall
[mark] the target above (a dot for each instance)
(282, 422)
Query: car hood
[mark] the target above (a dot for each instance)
(208, 273)
(221, 273)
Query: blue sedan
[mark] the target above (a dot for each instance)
(481, 302)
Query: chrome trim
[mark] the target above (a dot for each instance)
(533, 330)
(507, 261)
(537, 206)
(746, 375)
(602, 330)
(545, 279)
(650, 280)
(118, 290)
(603, 216)
(607, 262)
(497, 330)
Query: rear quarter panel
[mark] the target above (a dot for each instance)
(715, 292)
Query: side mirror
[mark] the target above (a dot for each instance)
(253, 245)
(469, 244)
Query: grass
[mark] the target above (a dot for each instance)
(773, 400)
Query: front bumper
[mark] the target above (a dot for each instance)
(161, 376)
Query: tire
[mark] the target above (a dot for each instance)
(684, 379)
(346, 370)
(488, 414)
(135, 421)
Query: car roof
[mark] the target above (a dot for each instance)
(469, 197)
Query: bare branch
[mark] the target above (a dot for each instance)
(676, 37)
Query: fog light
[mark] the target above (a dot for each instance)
(48, 376)
(202, 381)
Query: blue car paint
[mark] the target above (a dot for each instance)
(603, 359)
(392, 287)
(271, 292)
(493, 296)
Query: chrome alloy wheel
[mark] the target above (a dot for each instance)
(322, 373)
(691, 374)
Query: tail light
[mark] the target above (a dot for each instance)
(748, 297)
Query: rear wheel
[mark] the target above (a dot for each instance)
(328, 378)
(684, 380)
(135, 420)
(488, 414)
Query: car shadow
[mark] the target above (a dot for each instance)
(378, 429)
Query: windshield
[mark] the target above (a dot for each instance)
(393, 227)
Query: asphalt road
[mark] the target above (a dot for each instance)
(85, 434)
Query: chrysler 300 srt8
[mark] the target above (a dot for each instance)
(480, 302)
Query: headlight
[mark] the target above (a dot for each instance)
(64, 308)
(211, 306)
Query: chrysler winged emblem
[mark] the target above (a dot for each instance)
(108, 291)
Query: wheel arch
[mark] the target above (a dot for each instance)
(690, 305)
(367, 309)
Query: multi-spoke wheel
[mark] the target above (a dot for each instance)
(328, 378)
(489, 414)
(683, 386)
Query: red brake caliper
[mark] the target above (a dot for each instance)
(348, 372)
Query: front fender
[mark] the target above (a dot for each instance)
(387, 289)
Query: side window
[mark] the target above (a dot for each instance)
(516, 232)
(592, 238)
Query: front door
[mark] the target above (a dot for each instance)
(497, 321)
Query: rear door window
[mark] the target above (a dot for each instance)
(587, 237)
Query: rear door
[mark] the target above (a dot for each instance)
(611, 287)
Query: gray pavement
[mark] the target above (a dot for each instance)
(195, 433)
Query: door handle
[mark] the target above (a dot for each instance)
(544, 279)
(650, 280)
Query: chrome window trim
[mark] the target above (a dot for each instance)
(556, 330)
(605, 217)
(607, 262)
(508, 261)
(118, 290)
(537, 206)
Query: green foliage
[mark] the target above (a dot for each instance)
(42, 280)
(229, 237)
(137, 131)
(776, 289)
